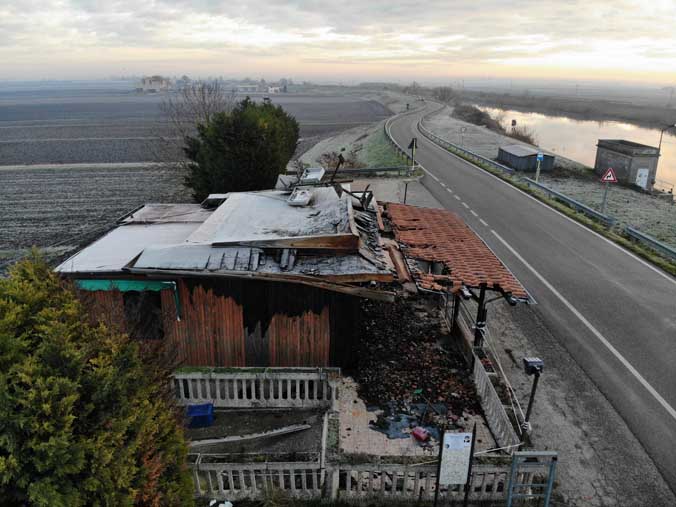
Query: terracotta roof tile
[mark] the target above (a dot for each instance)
(437, 235)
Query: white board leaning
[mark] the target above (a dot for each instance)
(455, 457)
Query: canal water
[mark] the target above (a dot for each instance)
(576, 139)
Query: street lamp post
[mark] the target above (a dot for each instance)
(532, 366)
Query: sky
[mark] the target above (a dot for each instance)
(347, 40)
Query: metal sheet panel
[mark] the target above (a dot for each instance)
(117, 248)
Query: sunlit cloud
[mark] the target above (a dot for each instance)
(396, 39)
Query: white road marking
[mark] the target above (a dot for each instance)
(473, 212)
(449, 190)
(442, 184)
(465, 204)
(670, 410)
(457, 197)
(433, 176)
(483, 222)
(633, 256)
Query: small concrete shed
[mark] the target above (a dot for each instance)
(633, 163)
(524, 158)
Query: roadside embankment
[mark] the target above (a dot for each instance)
(650, 214)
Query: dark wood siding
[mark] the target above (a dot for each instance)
(248, 323)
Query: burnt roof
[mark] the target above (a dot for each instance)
(440, 236)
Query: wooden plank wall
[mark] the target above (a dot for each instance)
(233, 323)
(210, 332)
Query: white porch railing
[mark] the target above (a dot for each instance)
(258, 387)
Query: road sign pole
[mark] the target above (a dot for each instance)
(540, 158)
(441, 449)
(605, 198)
(468, 484)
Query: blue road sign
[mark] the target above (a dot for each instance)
(541, 156)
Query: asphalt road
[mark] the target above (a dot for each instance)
(613, 312)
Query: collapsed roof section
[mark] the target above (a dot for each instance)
(324, 242)
(330, 238)
(444, 254)
(269, 219)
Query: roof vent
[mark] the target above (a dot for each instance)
(214, 201)
(300, 197)
(312, 175)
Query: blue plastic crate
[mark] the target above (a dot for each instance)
(201, 415)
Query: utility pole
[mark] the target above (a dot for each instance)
(659, 146)
(532, 366)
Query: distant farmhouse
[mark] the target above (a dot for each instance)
(154, 84)
(246, 88)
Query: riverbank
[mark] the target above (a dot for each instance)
(644, 115)
(651, 215)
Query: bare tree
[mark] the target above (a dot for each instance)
(443, 94)
(193, 104)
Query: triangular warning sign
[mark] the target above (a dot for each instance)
(609, 176)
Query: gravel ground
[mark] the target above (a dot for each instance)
(601, 463)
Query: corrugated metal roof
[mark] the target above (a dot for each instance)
(519, 150)
(205, 258)
(117, 248)
(167, 213)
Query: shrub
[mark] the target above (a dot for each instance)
(82, 420)
(244, 149)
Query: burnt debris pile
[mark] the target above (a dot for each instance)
(401, 359)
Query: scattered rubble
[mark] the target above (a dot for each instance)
(401, 360)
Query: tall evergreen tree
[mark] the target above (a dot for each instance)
(82, 420)
(242, 150)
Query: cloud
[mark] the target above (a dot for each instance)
(625, 35)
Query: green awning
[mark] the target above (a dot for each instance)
(130, 285)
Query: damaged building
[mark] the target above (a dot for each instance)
(261, 295)
(244, 280)
(254, 279)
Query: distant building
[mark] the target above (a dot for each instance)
(246, 88)
(633, 163)
(274, 89)
(524, 158)
(154, 84)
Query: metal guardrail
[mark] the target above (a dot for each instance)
(606, 220)
(388, 133)
(651, 242)
(454, 148)
(374, 170)
(583, 208)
